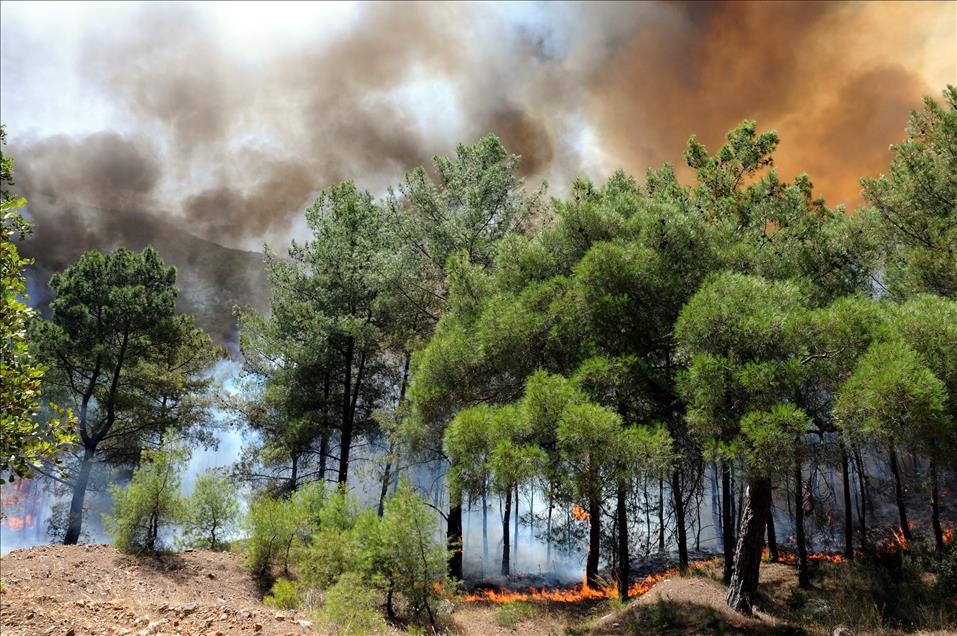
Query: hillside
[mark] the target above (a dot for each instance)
(88, 590)
(211, 278)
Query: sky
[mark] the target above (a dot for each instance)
(226, 119)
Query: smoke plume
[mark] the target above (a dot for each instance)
(229, 139)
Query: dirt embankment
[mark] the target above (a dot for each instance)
(88, 590)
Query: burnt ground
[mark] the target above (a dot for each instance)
(87, 590)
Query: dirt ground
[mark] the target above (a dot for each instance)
(88, 590)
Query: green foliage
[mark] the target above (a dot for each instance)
(766, 433)
(915, 206)
(27, 439)
(211, 512)
(150, 502)
(893, 397)
(348, 609)
(275, 527)
(6, 169)
(409, 562)
(340, 543)
(397, 555)
(117, 352)
(947, 572)
(283, 595)
(743, 336)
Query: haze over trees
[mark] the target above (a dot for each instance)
(604, 355)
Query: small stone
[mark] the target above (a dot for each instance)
(257, 627)
(187, 608)
(304, 623)
(211, 575)
(842, 631)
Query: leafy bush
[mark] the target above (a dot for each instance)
(409, 562)
(284, 595)
(342, 542)
(947, 571)
(149, 502)
(275, 527)
(397, 556)
(210, 513)
(348, 608)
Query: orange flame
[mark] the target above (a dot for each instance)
(792, 557)
(579, 513)
(573, 594)
(20, 503)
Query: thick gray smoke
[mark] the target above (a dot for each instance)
(231, 139)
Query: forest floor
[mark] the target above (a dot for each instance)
(87, 590)
(94, 590)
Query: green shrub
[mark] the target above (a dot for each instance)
(338, 546)
(210, 513)
(664, 614)
(410, 561)
(397, 556)
(348, 609)
(275, 528)
(284, 595)
(947, 571)
(148, 503)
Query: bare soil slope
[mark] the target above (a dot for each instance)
(89, 590)
(696, 605)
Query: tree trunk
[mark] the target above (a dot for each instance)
(772, 537)
(323, 452)
(484, 532)
(75, 521)
(935, 509)
(294, 475)
(747, 562)
(624, 566)
(848, 506)
(716, 517)
(346, 436)
(506, 516)
(548, 534)
(384, 488)
(594, 541)
(531, 515)
(899, 496)
(862, 480)
(800, 539)
(661, 515)
(677, 497)
(454, 541)
(387, 474)
(515, 540)
(727, 521)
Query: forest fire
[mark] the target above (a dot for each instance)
(574, 594)
(22, 505)
(579, 513)
(792, 557)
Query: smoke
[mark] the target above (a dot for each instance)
(228, 135)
